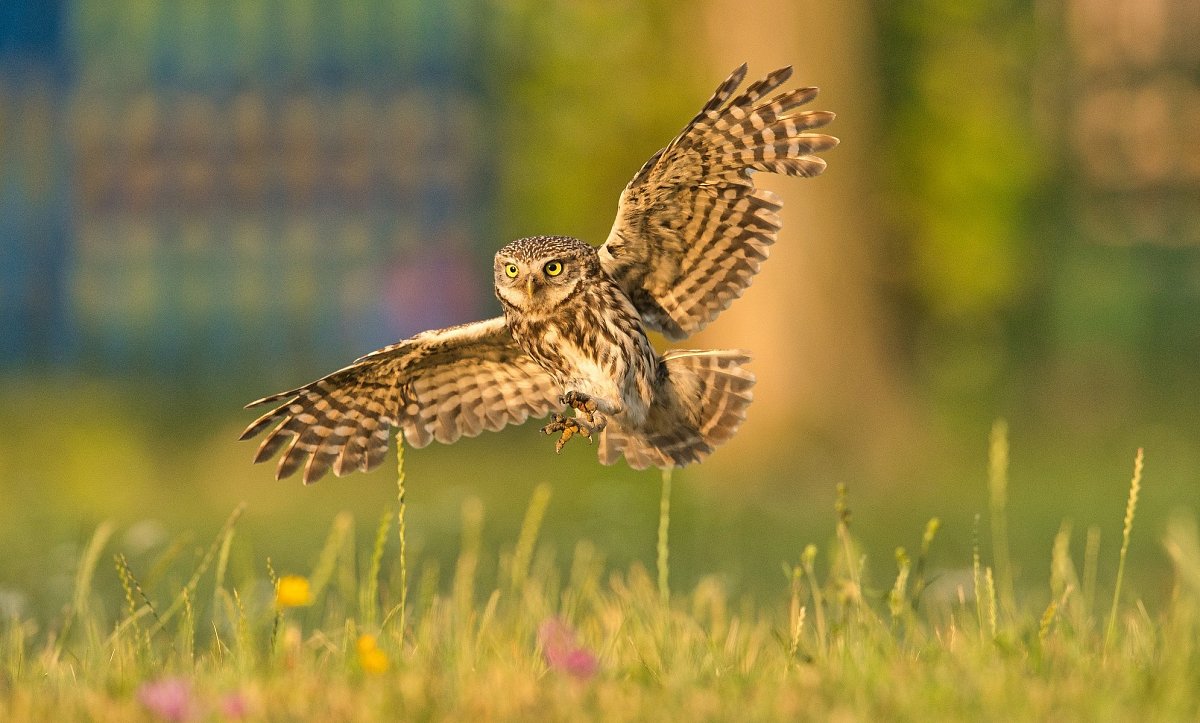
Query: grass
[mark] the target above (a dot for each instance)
(354, 638)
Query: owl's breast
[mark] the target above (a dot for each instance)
(567, 351)
(593, 356)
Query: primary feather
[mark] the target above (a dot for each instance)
(691, 229)
(439, 385)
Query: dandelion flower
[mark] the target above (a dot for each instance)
(293, 591)
(370, 657)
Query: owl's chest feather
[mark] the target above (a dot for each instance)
(595, 346)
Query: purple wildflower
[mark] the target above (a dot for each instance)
(562, 651)
(169, 698)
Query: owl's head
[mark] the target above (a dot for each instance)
(538, 273)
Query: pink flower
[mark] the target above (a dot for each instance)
(562, 651)
(169, 698)
(234, 706)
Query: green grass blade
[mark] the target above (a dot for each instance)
(402, 531)
(368, 602)
(340, 532)
(84, 574)
(664, 548)
(526, 540)
(205, 562)
(222, 567)
(998, 497)
(468, 558)
(1135, 486)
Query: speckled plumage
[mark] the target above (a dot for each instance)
(691, 232)
(591, 340)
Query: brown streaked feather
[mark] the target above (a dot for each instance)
(691, 229)
(700, 404)
(436, 385)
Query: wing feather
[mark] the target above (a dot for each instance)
(691, 229)
(437, 385)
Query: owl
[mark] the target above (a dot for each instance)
(690, 234)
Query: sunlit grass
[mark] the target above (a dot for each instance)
(353, 638)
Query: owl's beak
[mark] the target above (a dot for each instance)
(529, 287)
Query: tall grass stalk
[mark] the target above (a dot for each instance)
(919, 582)
(340, 534)
(401, 607)
(127, 581)
(247, 653)
(468, 560)
(898, 598)
(796, 613)
(1051, 614)
(222, 566)
(369, 598)
(852, 567)
(1062, 570)
(277, 620)
(808, 560)
(530, 526)
(167, 558)
(1135, 486)
(998, 497)
(81, 600)
(977, 576)
(135, 612)
(664, 528)
(205, 562)
(989, 583)
(187, 630)
(1091, 566)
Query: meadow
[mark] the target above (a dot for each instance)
(524, 631)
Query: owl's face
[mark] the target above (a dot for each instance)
(539, 273)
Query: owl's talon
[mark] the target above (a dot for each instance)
(569, 426)
(557, 423)
(581, 402)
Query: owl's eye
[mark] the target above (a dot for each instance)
(554, 268)
(510, 270)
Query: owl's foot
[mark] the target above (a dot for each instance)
(581, 402)
(569, 426)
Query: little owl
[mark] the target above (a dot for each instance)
(690, 234)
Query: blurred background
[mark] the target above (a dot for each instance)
(205, 202)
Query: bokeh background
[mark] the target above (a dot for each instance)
(202, 202)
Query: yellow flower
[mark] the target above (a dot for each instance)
(293, 591)
(370, 657)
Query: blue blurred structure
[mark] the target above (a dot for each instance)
(189, 188)
(35, 240)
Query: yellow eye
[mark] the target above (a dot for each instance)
(554, 268)
(510, 270)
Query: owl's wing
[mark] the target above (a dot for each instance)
(691, 229)
(436, 385)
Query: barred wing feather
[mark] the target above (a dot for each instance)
(439, 385)
(691, 229)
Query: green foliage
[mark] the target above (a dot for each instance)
(584, 92)
(962, 156)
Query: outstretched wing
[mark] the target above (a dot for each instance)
(691, 228)
(436, 385)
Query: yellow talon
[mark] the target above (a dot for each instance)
(568, 432)
(569, 426)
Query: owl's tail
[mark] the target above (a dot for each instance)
(699, 404)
